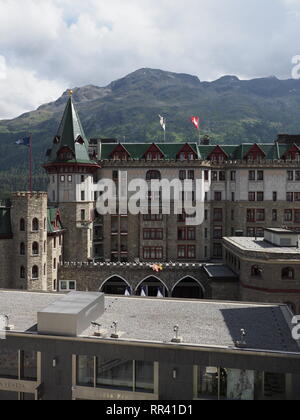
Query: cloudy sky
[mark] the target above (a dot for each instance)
(47, 46)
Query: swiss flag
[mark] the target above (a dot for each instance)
(196, 122)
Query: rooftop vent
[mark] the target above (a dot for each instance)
(71, 315)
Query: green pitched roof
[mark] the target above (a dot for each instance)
(5, 222)
(69, 132)
(138, 150)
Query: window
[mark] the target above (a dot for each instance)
(29, 365)
(274, 215)
(218, 195)
(288, 215)
(182, 175)
(35, 272)
(35, 225)
(288, 273)
(260, 175)
(256, 271)
(153, 253)
(251, 196)
(252, 176)
(22, 225)
(9, 362)
(82, 195)
(290, 175)
(290, 197)
(297, 216)
(82, 215)
(233, 196)
(186, 251)
(128, 375)
(191, 175)
(217, 250)
(222, 176)
(67, 285)
(185, 234)
(206, 175)
(35, 248)
(233, 175)
(22, 248)
(297, 175)
(82, 178)
(62, 178)
(22, 272)
(153, 175)
(297, 196)
(152, 217)
(215, 383)
(260, 215)
(218, 215)
(69, 178)
(153, 234)
(218, 232)
(214, 176)
(251, 215)
(274, 196)
(260, 196)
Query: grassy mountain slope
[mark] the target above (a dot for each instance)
(232, 111)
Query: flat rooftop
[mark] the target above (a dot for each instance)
(201, 323)
(260, 245)
(219, 271)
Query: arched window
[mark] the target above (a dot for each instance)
(288, 273)
(22, 248)
(35, 224)
(35, 272)
(256, 271)
(22, 225)
(35, 248)
(153, 175)
(22, 272)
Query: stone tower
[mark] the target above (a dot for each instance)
(71, 180)
(29, 230)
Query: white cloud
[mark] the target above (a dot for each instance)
(22, 91)
(62, 43)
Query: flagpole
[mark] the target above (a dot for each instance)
(30, 163)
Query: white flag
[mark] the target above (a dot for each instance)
(163, 122)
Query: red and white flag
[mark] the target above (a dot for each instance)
(196, 122)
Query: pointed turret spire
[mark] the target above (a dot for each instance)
(70, 143)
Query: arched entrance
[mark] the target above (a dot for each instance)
(188, 288)
(152, 286)
(115, 285)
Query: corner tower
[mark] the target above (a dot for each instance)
(71, 179)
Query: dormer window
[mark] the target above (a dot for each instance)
(65, 154)
(79, 140)
(186, 153)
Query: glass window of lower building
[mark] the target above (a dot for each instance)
(212, 383)
(123, 375)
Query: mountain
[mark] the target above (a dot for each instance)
(232, 111)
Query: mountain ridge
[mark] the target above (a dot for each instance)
(231, 110)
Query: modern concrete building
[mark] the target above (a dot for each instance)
(83, 346)
(268, 268)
